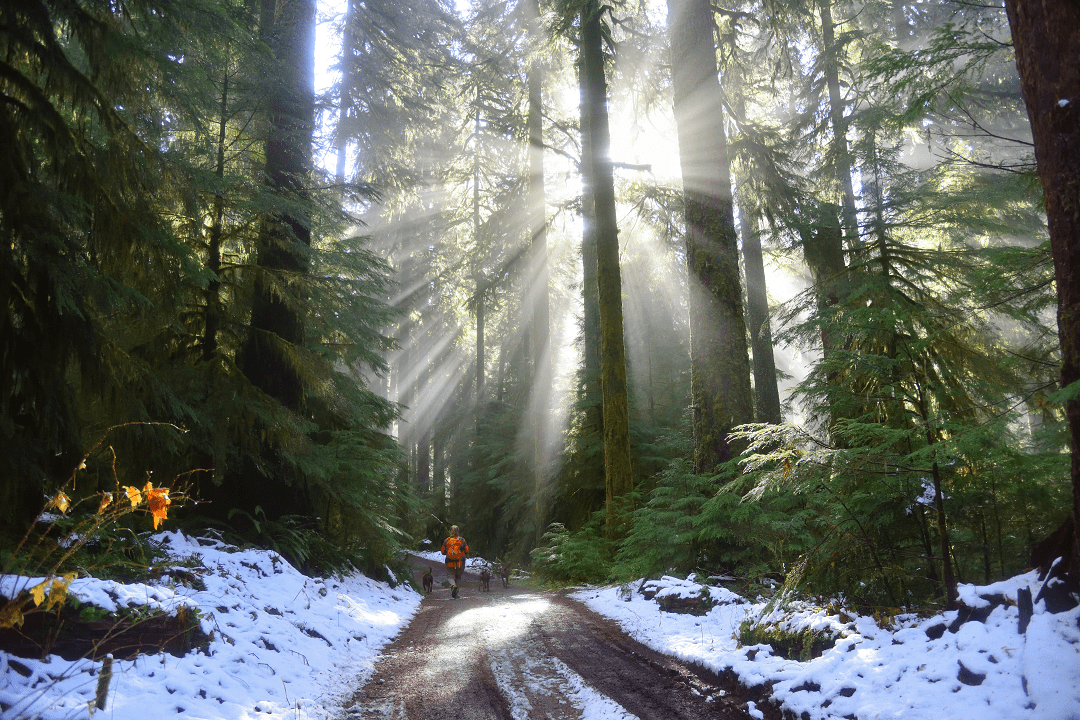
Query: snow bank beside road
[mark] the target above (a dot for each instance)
(981, 671)
(283, 645)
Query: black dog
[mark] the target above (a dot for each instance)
(427, 580)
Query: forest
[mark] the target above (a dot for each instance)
(781, 291)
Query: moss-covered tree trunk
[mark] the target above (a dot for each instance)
(1046, 37)
(618, 474)
(720, 363)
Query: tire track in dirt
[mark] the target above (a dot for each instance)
(514, 654)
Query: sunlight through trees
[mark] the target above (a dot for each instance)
(778, 290)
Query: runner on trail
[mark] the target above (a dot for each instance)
(455, 549)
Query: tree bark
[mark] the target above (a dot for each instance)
(275, 320)
(539, 320)
(481, 360)
(217, 227)
(719, 360)
(1046, 38)
(479, 297)
(599, 176)
(349, 41)
(766, 393)
(841, 152)
(594, 422)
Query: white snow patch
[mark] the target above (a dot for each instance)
(873, 672)
(283, 644)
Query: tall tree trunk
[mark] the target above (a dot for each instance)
(594, 421)
(479, 297)
(481, 360)
(831, 224)
(841, 153)
(439, 489)
(719, 361)
(423, 464)
(766, 393)
(1046, 35)
(274, 319)
(345, 109)
(599, 176)
(213, 254)
(539, 315)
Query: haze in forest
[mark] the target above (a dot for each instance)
(751, 288)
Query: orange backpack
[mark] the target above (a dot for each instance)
(455, 548)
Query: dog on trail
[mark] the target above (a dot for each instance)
(485, 581)
(427, 580)
(504, 573)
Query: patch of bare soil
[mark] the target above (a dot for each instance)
(519, 653)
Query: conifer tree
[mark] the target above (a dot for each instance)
(1045, 37)
(598, 176)
(277, 322)
(720, 366)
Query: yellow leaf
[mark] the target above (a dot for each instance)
(57, 593)
(38, 592)
(11, 615)
(133, 495)
(61, 502)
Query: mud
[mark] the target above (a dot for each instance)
(520, 653)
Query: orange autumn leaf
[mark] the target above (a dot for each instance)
(133, 495)
(106, 499)
(157, 500)
(61, 502)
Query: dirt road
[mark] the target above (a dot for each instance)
(520, 654)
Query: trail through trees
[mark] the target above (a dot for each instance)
(518, 653)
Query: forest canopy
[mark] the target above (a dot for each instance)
(760, 289)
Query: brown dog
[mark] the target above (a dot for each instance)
(504, 573)
(427, 580)
(485, 581)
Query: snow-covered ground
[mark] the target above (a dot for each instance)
(288, 646)
(875, 673)
(284, 645)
